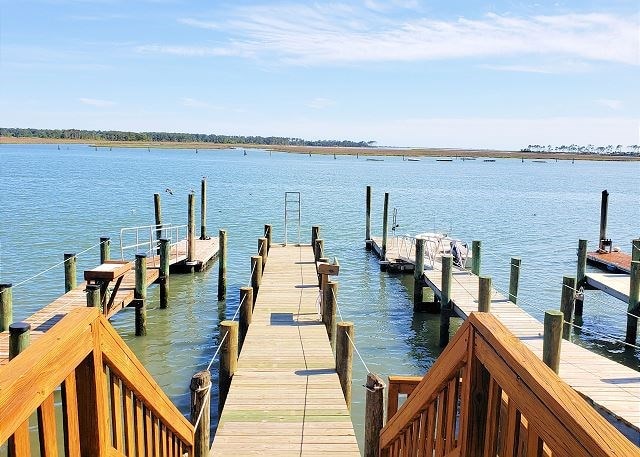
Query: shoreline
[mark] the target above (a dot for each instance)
(330, 150)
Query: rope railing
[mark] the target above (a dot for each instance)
(599, 300)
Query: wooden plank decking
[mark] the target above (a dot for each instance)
(610, 386)
(616, 285)
(45, 318)
(285, 398)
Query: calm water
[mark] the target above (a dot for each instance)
(62, 201)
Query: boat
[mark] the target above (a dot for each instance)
(489, 160)
(444, 160)
(375, 160)
(437, 245)
(413, 160)
(539, 161)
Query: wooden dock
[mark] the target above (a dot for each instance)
(611, 387)
(285, 397)
(45, 318)
(614, 262)
(616, 285)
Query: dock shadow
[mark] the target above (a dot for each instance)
(46, 325)
(286, 319)
(621, 380)
(305, 286)
(313, 372)
(312, 262)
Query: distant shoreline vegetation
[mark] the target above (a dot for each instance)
(163, 137)
(617, 150)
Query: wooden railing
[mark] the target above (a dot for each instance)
(488, 395)
(108, 403)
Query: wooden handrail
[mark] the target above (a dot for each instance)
(110, 404)
(399, 385)
(487, 394)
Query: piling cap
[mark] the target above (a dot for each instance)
(18, 328)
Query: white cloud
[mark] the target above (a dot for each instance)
(199, 24)
(321, 103)
(610, 103)
(543, 68)
(193, 103)
(96, 102)
(339, 33)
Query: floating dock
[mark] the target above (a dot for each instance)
(285, 397)
(614, 262)
(612, 388)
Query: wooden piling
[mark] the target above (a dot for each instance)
(256, 274)
(344, 358)
(374, 414)
(105, 249)
(6, 306)
(70, 275)
(228, 359)
(246, 313)
(634, 303)
(19, 338)
(476, 253)
(385, 225)
(445, 306)
(635, 250)
(417, 273)
(318, 248)
(93, 296)
(191, 224)
(582, 262)
(315, 234)
(163, 280)
(484, 294)
(329, 304)
(203, 210)
(268, 234)
(157, 209)
(262, 251)
(140, 294)
(201, 408)
(604, 210)
(222, 265)
(367, 232)
(566, 303)
(552, 339)
(514, 279)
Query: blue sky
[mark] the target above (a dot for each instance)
(488, 74)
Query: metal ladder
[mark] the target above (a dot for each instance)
(291, 213)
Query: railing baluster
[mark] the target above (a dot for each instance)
(129, 422)
(440, 429)
(451, 414)
(116, 413)
(139, 428)
(70, 427)
(47, 428)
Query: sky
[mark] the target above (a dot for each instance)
(476, 74)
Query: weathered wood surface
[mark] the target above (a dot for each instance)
(285, 397)
(611, 387)
(616, 285)
(47, 317)
(620, 261)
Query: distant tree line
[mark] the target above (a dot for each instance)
(115, 135)
(632, 150)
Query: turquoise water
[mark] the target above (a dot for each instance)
(62, 201)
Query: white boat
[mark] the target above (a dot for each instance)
(436, 245)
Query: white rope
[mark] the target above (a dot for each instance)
(346, 333)
(56, 265)
(602, 335)
(606, 303)
(195, 426)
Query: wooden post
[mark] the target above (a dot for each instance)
(417, 273)
(476, 253)
(552, 339)
(105, 249)
(165, 254)
(228, 359)
(329, 303)
(222, 265)
(374, 415)
(70, 276)
(367, 235)
(203, 210)
(566, 303)
(582, 262)
(262, 251)
(514, 279)
(634, 303)
(315, 234)
(191, 223)
(256, 274)
(385, 225)
(246, 312)
(604, 210)
(484, 294)
(140, 294)
(445, 305)
(344, 358)
(158, 213)
(19, 338)
(6, 306)
(268, 234)
(635, 250)
(93, 295)
(318, 248)
(201, 407)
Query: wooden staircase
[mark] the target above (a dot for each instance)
(110, 405)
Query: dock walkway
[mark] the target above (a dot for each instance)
(45, 318)
(285, 398)
(610, 386)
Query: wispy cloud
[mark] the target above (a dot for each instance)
(610, 103)
(96, 102)
(553, 67)
(320, 34)
(321, 103)
(193, 103)
(199, 24)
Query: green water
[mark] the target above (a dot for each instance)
(55, 201)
